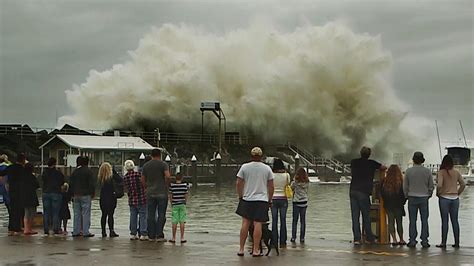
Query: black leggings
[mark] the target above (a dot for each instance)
(107, 212)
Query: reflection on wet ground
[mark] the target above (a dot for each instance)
(211, 210)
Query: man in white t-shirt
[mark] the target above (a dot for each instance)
(255, 190)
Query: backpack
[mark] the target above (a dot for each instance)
(117, 183)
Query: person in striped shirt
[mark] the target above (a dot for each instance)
(178, 196)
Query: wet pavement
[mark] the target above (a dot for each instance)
(212, 233)
(212, 249)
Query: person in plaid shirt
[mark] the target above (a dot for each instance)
(136, 200)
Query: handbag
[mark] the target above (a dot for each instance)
(288, 190)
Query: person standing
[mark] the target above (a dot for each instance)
(363, 171)
(52, 179)
(281, 179)
(450, 185)
(156, 178)
(16, 173)
(5, 197)
(300, 203)
(255, 190)
(108, 200)
(136, 201)
(178, 195)
(418, 187)
(82, 185)
(394, 200)
(29, 198)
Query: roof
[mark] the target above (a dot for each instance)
(102, 142)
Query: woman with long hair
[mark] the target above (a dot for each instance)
(279, 201)
(394, 202)
(108, 201)
(300, 203)
(450, 186)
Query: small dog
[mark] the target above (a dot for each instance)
(267, 238)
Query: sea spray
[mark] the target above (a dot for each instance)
(325, 88)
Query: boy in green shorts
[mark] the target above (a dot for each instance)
(178, 195)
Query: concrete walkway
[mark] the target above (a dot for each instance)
(210, 249)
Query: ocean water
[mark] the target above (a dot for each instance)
(212, 210)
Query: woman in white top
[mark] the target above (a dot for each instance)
(280, 203)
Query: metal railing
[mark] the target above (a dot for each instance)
(308, 158)
(149, 136)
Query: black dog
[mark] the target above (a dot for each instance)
(267, 238)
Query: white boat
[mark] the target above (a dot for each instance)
(343, 180)
(314, 179)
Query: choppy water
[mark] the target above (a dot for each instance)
(211, 209)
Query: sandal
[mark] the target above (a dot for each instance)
(394, 244)
(402, 243)
(240, 254)
(172, 241)
(184, 241)
(257, 255)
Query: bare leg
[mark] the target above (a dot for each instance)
(244, 230)
(26, 227)
(181, 229)
(257, 235)
(394, 237)
(175, 226)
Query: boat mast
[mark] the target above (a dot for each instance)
(464, 136)
(439, 142)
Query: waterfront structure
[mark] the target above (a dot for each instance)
(113, 149)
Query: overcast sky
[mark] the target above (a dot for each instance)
(47, 46)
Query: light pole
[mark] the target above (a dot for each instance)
(168, 161)
(194, 170)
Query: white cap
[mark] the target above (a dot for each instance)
(256, 151)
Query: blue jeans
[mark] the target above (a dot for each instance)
(279, 205)
(82, 211)
(51, 206)
(156, 216)
(301, 213)
(421, 204)
(138, 212)
(448, 207)
(360, 203)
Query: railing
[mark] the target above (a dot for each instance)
(319, 161)
(149, 136)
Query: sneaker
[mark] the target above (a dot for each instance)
(426, 245)
(161, 239)
(143, 238)
(113, 234)
(411, 244)
(292, 240)
(152, 239)
(133, 237)
(89, 235)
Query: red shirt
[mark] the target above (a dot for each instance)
(135, 189)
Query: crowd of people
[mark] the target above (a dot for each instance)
(148, 194)
(260, 188)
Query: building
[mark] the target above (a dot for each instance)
(112, 149)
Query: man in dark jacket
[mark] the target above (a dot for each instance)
(83, 188)
(363, 171)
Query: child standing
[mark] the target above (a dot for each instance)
(300, 203)
(64, 213)
(178, 195)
